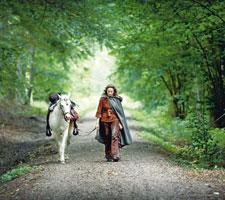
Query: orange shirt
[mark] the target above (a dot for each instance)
(104, 111)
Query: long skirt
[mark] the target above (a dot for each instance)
(111, 137)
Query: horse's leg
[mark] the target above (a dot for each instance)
(68, 139)
(67, 144)
(61, 156)
(63, 146)
(60, 150)
(58, 139)
(70, 132)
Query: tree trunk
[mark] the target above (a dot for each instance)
(19, 80)
(218, 98)
(217, 92)
(173, 86)
(31, 74)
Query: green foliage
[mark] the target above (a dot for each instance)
(189, 141)
(170, 148)
(159, 123)
(172, 53)
(39, 40)
(218, 136)
(37, 109)
(204, 149)
(20, 170)
(168, 50)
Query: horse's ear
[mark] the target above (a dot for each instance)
(59, 96)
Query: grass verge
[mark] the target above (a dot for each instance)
(159, 141)
(173, 136)
(18, 171)
(150, 130)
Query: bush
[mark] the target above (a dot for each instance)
(205, 149)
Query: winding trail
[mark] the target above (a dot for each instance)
(144, 172)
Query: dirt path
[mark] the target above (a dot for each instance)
(143, 173)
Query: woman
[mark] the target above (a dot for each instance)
(111, 123)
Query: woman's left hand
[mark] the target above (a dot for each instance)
(120, 125)
(68, 116)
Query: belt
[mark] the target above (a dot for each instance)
(104, 111)
(109, 112)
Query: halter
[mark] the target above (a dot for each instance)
(64, 113)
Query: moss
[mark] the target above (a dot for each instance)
(20, 170)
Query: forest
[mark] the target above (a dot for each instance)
(170, 57)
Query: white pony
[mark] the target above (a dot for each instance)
(59, 121)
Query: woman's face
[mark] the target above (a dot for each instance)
(110, 92)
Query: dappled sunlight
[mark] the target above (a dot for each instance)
(98, 69)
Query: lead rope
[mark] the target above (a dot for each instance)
(87, 133)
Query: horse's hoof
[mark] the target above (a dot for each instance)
(116, 159)
(75, 131)
(48, 132)
(61, 161)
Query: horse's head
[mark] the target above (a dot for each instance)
(65, 103)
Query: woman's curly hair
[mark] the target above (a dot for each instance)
(110, 86)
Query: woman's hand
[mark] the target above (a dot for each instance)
(97, 124)
(67, 116)
(120, 125)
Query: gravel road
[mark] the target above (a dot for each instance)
(144, 172)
